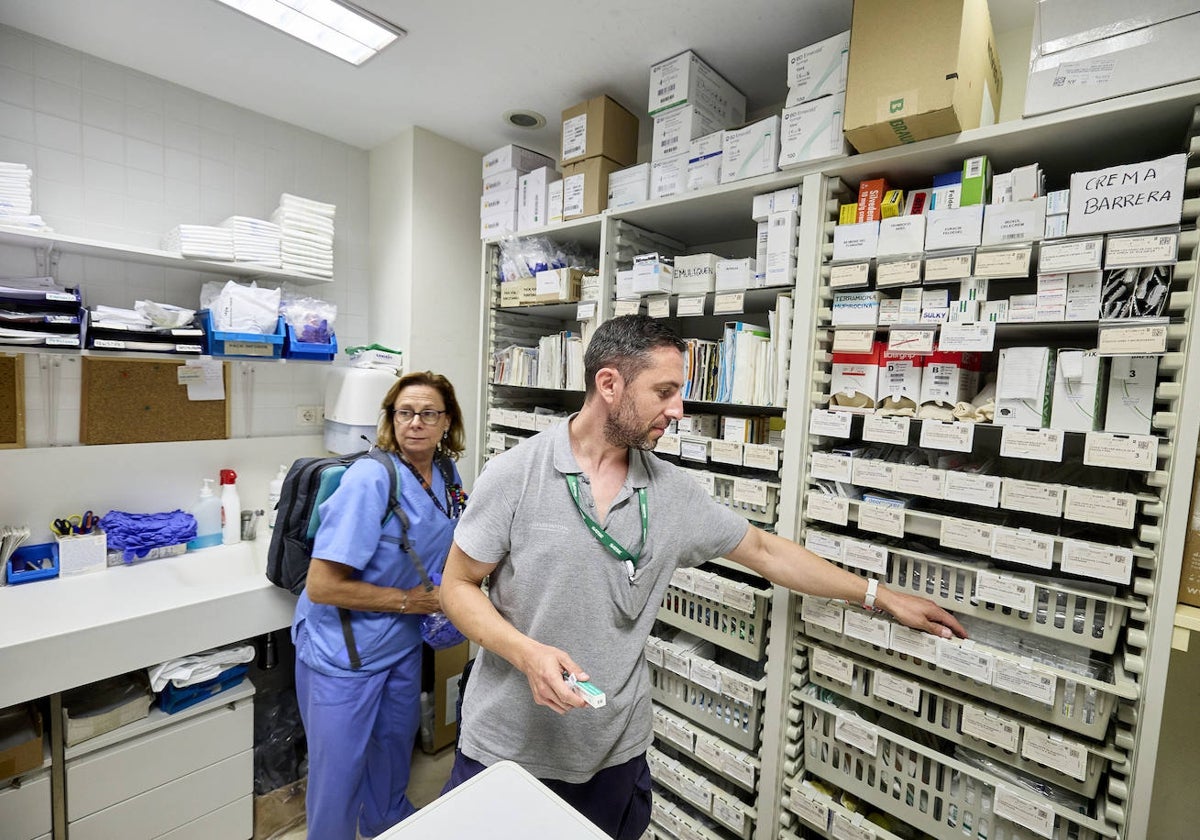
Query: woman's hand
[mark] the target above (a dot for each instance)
(919, 613)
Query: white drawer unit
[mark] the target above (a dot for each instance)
(234, 820)
(25, 809)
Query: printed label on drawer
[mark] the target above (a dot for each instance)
(1020, 678)
(653, 653)
(729, 303)
(739, 688)
(585, 311)
(904, 693)
(760, 456)
(686, 831)
(708, 586)
(995, 729)
(972, 489)
(963, 336)
(728, 812)
(912, 340)
(866, 556)
(955, 267)
(881, 519)
(677, 732)
(856, 733)
(878, 429)
(1004, 591)
(1018, 545)
(668, 445)
(706, 675)
(1035, 816)
(845, 828)
(232, 348)
(966, 535)
(825, 545)
(832, 467)
(1032, 496)
(1009, 263)
(879, 475)
(1121, 452)
(828, 664)
(921, 481)
(1127, 251)
(750, 492)
(1056, 752)
(849, 275)
(914, 643)
(693, 450)
(809, 806)
(1031, 444)
(1076, 255)
(1132, 339)
(738, 768)
(677, 662)
(1101, 562)
(853, 340)
(822, 614)
(690, 305)
(658, 307)
(739, 596)
(951, 436)
(693, 791)
(897, 273)
(867, 628)
(829, 423)
(956, 657)
(1100, 507)
(725, 452)
(684, 579)
(495, 440)
(826, 508)
(626, 307)
(707, 749)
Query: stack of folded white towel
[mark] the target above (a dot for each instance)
(16, 198)
(254, 240)
(206, 242)
(306, 228)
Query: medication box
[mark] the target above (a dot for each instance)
(950, 377)
(558, 285)
(687, 79)
(534, 198)
(1023, 386)
(735, 274)
(676, 128)
(80, 553)
(650, 275)
(513, 157)
(668, 176)
(599, 126)
(750, 151)
(854, 379)
(627, 187)
(812, 131)
(704, 161)
(1078, 391)
(818, 69)
(1131, 394)
(695, 274)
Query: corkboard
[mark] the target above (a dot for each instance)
(141, 401)
(12, 402)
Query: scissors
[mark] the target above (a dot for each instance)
(75, 524)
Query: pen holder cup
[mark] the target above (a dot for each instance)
(33, 562)
(81, 553)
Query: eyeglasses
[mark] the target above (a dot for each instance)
(406, 415)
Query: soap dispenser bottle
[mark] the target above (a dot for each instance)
(207, 512)
(231, 509)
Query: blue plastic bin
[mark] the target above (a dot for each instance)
(244, 345)
(33, 562)
(314, 351)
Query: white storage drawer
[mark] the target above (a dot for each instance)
(111, 775)
(235, 821)
(173, 805)
(25, 810)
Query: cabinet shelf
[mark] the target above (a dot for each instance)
(1187, 621)
(10, 349)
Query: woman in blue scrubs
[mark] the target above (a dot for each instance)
(362, 723)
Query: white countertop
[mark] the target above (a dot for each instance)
(60, 633)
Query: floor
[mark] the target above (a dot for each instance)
(429, 774)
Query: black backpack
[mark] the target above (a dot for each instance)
(308, 483)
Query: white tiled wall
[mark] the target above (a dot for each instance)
(122, 157)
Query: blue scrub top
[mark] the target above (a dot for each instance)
(350, 533)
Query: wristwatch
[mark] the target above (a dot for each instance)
(872, 590)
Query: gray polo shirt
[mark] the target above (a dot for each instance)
(555, 583)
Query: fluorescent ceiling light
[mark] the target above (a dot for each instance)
(335, 26)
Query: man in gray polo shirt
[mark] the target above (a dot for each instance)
(580, 529)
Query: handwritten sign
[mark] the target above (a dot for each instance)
(1138, 195)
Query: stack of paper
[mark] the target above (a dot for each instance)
(205, 242)
(753, 360)
(515, 365)
(16, 198)
(306, 228)
(560, 361)
(254, 240)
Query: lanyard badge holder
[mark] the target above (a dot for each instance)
(603, 537)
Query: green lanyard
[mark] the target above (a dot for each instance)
(603, 536)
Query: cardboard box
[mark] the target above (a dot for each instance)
(651, 275)
(442, 670)
(750, 151)
(950, 378)
(627, 187)
(1131, 394)
(1070, 64)
(625, 285)
(704, 161)
(899, 384)
(781, 247)
(812, 131)
(919, 69)
(686, 79)
(901, 235)
(513, 157)
(917, 202)
(1014, 221)
(506, 180)
(676, 128)
(498, 224)
(510, 294)
(534, 198)
(699, 425)
(870, 199)
(281, 810)
(733, 275)
(818, 69)
(1078, 400)
(585, 187)
(961, 227)
(855, 242)
(1189, 579)
(21, 748)
(554, 202)
(892, 204)
(854, 379)
(668, 176)
(499, 202)
(695, 274)
(103, 706)
(976, 180)
(1024, 384)
(761, 244)
(558, 285)
(599, 126)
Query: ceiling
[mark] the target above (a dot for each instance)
(462, 65)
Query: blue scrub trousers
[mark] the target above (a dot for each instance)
(361, 731)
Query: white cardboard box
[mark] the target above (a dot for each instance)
(676, 128)
(704, 161)
(625, 285)
(1023, 386)
(1078, 391)
(1127, 197)
(630, 186)
(1083, 295)
(899, 383)
(760, 253)
(961, 227)
(819, 69)
(651, 276)
(856, 242)
(899, 235)
(854, 379)
(498, 224)
(695, 274)
(735, 274)
(812, 131)
(554, 203)
(687, 79)
(750, 151)
(514, 157)
(950, 378)
(781, 247)
(505, 179)
(534, 199)
(668, 176)
(498, 202)
(1131, 394)
(1014, 221)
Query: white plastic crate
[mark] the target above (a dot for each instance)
(809, 807)
(726, 493)
(731, 628)
(690, 785)
(929, 791)
(736, 719)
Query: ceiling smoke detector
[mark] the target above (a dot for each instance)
(524, 118)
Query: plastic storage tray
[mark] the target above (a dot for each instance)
(815, 808)
(723, 487)
(736, 720)
(251, 345)
(311, 350)
(721, 624)
(694, 788)
(33, 562)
